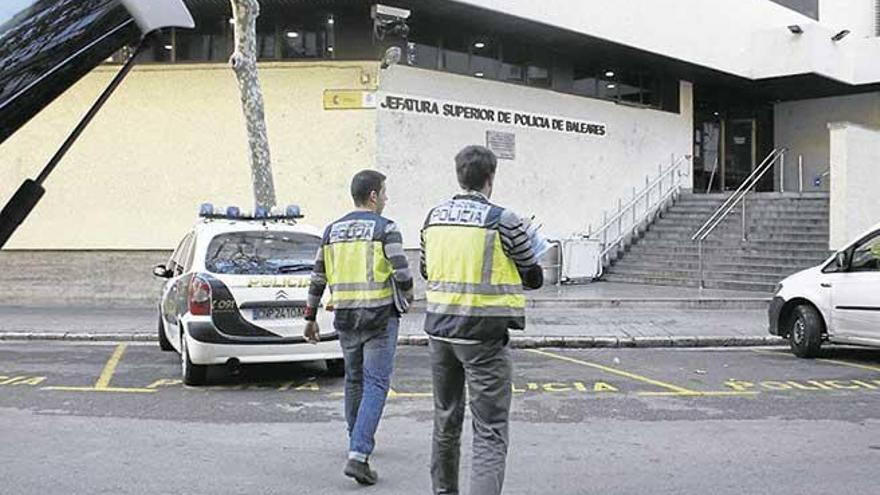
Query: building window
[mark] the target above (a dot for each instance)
(484, 57)
(514, 58)
(455, 56)
(210, 42)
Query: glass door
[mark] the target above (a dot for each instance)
(739, 152)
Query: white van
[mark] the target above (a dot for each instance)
(837, 301)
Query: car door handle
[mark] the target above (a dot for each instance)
(825, 284)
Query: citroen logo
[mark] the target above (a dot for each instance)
(280, 295)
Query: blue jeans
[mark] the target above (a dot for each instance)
(369, 361)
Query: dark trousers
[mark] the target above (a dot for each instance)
(486, 369)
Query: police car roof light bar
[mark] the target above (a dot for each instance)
(208, 211)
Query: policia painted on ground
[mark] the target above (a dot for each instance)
(362, 260)
(476, 258)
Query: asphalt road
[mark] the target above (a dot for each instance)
(108, 418)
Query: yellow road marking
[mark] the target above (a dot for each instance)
(832, 361)
(110, 367)
(625, 374)
(852, 365)
(395, 394)
(103, 383)
(103, 389)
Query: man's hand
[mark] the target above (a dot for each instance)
(311, 332)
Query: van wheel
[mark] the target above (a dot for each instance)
(336, 367)
(805, 331)
(164, 343)
(193, 374)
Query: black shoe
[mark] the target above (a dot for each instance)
(361, 472)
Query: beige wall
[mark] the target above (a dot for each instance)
(802, 127)
(855, 185)
(172, 137)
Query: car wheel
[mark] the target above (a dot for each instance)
(805, 331)
(193, 374)
(164, 343)
(336, 367)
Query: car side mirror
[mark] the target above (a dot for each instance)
(161, 271)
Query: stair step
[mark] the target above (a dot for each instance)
(709, 284)
(765, 278)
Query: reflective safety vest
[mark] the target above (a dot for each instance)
(469, 275)
(358, 273)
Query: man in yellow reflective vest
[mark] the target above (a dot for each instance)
(360, 255)
(476, 258)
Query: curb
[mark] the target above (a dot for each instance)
(517, 342)
(635, 303)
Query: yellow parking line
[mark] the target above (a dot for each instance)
(103, 389)
(674, 388)
(110, 367)
(832, 361)
(103, 383)
(851, 365)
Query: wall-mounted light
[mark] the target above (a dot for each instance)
(796, 29)
(231, 21)
(609, 73)
(168, 47)
(292, 34)
(479, 74)
(611, 86)
(841, 35)
(331, 21)
(479, 44)
(330, 49)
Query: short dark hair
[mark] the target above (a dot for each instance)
(365, 182)
(474, 165)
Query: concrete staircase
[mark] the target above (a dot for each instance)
(787, 233)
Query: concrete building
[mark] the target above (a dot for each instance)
(583, 101)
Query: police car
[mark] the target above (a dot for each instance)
(236, 292)
(837, 301)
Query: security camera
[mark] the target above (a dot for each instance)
(386, 13)
(389, 20)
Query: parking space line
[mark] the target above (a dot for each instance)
(851, 365)
(832, 361)
(696, 393)
(677, 390)
(103, 383)
(110, 367)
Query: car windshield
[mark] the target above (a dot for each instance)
(262, 253)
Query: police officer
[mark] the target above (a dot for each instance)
(360, 254)
(476, 258)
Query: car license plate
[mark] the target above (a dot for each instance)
(286, 312)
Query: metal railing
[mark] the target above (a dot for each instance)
(638, 212)
(738, 196)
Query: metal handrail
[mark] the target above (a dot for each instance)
(638, 198)
(738, 196)
(630, 209)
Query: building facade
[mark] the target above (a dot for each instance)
(583, 101)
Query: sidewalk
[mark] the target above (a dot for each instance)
(595, 315)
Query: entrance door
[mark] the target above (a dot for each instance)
(739, 152)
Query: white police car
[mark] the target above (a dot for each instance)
(236, 292)
(837, 301)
